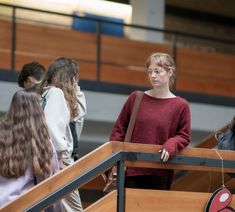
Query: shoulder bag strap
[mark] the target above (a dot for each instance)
(112, 175)
(133, 116)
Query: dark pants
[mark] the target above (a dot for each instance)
(147, 182)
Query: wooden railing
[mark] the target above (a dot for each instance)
(202, 181)
(134, 155)
(199, 178)
(183, 180)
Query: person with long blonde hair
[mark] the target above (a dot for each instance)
(27, 154)
(64, 102)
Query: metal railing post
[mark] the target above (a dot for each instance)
(120, 185)
(175, 47)
(98, 49)
(173, 87)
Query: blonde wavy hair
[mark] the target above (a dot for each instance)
(24, 138)
(166, 62)
(63, 73)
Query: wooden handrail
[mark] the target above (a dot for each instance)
(210, 142)
(198, 177)
(90, 161)
(52, 184)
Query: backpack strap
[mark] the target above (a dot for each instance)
(44, 100)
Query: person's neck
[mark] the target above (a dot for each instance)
(161, 93)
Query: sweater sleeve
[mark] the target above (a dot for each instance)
(79, 120)
(182, 136)
(57, 117)
(120, 127)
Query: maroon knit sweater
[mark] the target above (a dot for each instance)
(158, 121)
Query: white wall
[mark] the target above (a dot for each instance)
(149, 13)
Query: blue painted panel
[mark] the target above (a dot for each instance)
(106, 28)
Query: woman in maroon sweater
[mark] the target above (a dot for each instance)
(162, 118)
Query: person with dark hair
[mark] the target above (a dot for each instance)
(232, 125)
(31, 75)
(162, 119)
(27, 153)
(63, 102)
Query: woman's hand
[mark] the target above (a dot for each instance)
(165, 155)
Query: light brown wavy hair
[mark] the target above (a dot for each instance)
(63, 73)
(24, 138)
(166, 62)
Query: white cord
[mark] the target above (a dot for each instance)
(222, 166)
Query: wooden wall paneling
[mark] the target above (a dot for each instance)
(95, 184)
(177, 201)
(124, 75)
(205, 72)
(5, 59)
(56, 42)
(231, 184)
(127, 52)
(5, 34)
(205, 85)
(122, 60)
(87, 70)
(205, 64)
(199, 181)
(106, 204)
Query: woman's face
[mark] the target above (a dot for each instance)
(158, 76)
